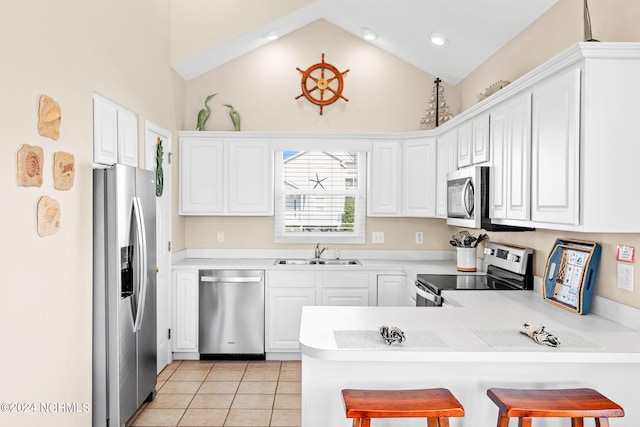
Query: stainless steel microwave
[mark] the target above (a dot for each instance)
(463, 197)
(468, 200)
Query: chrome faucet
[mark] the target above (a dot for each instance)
(318, 251)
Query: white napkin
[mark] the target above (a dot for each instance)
(539, 335)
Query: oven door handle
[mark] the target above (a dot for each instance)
(436, 299)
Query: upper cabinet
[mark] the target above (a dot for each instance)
(447, 161)
(384, 179)
(225, 176)
(510, 141)
(419, 178)
(402, 178)
(115, 133)
(473, 141)
(556, 150)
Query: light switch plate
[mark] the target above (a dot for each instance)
(625, 276)
(377, 237)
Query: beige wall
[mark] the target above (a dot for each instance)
(386, 94)
(66, 49)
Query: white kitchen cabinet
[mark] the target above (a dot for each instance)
(115, 133)
(285, 311)
(419, 178)
(556, 150)
(344, 288)
(447, 161)
(410, 291)
(473, 141)
(391, 290)
(510, 195)
(287, 293)
(201, 177)
(222, 176)
(402, 178)
(384, 179)
(185, 316)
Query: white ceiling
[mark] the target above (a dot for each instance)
(475, 30)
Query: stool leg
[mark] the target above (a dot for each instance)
(602, 422)
(365, 422)
(578, 422)
(503, 419)
(524, 422)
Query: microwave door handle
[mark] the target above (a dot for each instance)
(467, 196)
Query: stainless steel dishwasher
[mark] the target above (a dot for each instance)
(231, 314)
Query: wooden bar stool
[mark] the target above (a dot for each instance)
(436, 404)
(577, 404)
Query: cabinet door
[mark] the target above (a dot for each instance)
(419, 178)
(383, 195)
(447, 161)
(344, 297)
(105, 131)
(285, 313)
(555, 150)
(391, 290)
(499, 172)
(201, 172)
(185, 319)
(519, 159)
(127, 137)
(250, 170)
(480, 140)
(465, 144)
(511, 154)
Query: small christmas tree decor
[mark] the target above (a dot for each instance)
(437, 112)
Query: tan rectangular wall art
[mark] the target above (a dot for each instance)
(30, 161)
(48, 216)
(64, 170)
(49, 118)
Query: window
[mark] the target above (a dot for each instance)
(320, 196)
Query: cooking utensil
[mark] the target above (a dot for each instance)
(454, 243)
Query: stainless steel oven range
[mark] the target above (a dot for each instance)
(507, 268)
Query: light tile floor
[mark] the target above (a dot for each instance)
(224, 393)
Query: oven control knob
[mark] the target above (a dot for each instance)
(513, 258)
(488, 251)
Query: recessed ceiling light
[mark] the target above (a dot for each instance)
(368, 34)
(438, 39)
(272, 35)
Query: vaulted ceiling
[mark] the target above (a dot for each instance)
(474, 29)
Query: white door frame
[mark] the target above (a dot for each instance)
(153, 133)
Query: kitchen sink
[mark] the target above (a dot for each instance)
(317, 262)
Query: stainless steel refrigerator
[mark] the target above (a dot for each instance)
(124, 293)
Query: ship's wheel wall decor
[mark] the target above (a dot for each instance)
(319, 78)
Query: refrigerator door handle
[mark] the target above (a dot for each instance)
(141, 240)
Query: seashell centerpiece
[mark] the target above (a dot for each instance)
(392, 335)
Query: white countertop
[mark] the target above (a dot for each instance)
(484, 328)
(442, 264)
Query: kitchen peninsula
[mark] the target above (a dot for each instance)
(467, 349)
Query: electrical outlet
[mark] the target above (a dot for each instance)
(377, 237)
(419, 237)
(625, 276)
(220, 236)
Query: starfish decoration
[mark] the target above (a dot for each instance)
(318, 181)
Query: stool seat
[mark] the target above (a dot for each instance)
(437, 405)
(577, 404)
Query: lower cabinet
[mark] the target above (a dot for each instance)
(391, 290)
(185, 316)
(288, 292)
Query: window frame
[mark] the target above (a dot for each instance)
(358, 236)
